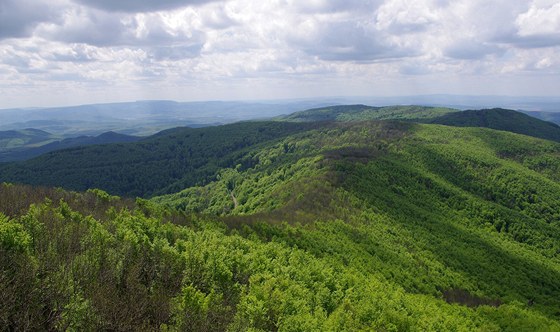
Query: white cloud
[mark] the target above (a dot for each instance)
(136, 6)
(356, 45)
(542, 18)
(402, 16)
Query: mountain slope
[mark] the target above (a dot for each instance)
(497, 118)
(502, 119)
(175, 158)
(26, 138)
(30, 151)
(180, 158)
(89, 261)
(371, 225)
(481, 219)
(364, 113)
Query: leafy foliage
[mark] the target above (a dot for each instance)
(331, 226)
(468, 205)
(139, 269)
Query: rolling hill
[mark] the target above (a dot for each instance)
(48, 142)
(25, 138)
(502, 119)
(306, 226)
(496, 118)
(363, 112)
(166, 162)
(183, 157)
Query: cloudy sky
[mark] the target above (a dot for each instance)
(63, 52)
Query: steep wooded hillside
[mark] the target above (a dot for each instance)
(502, 119)
(464, 204)
(330, 226)
(350, 226)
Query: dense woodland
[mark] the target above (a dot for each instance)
(280, 226)
(166, 162)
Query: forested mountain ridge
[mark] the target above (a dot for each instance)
(448, 186)
(166, 162)
(53, 143)
(350, 226)
(496, 118)
(365, 113)
(179, 158)
(502, 119)
(290, 226)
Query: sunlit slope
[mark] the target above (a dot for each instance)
(90, 261)
(344, 226)
(166, 162)
(502, 119)
(432, 208)
(496, 118)
(364, 113)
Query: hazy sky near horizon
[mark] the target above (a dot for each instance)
(63, 52)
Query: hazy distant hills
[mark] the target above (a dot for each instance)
(14, 139)
(25, 144)
(546, 116)
(142, 118)
(182, 157)
(364, 112)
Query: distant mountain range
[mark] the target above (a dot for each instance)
(142, 118)
(28, 143)
(178, 158)
(546, 116)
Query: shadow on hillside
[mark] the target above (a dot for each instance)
(500, 273)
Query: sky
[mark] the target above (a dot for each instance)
(68, 52)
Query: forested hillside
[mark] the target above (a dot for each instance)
(473, 200)
(14, 139)
(289, 226)
(166, 162)
(502, 119)
(497, 118)
(180, 158)
(364, 113)
(52, 143)
(93, 261)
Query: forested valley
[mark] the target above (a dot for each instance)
(334, 219)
